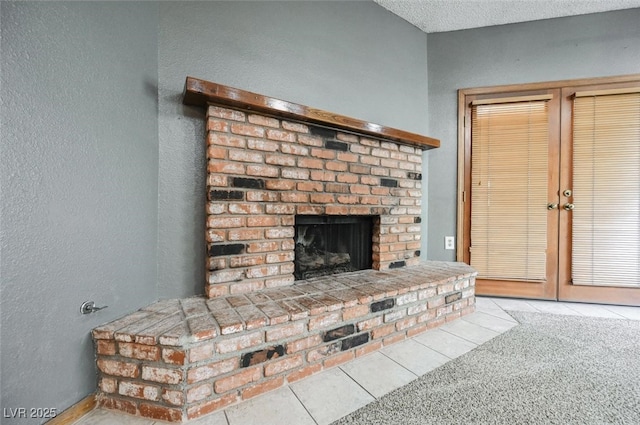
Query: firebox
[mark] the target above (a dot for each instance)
(332, 244)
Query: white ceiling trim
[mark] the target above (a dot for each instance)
(450, 15)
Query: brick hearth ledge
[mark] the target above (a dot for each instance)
(180, 359)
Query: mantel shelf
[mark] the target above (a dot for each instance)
(202, 93)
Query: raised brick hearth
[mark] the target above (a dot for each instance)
(180, 359)
(257, 328)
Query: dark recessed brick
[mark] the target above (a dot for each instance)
(336, 146)
(452, 298)
(417, 253)
(217, 195)
(415, 176)
(417, 220)
(354, 341)
(397, 264)
(226, 249)
(247, 183)
(338, 333)
(325, 133)
(260, 356)
(388, 182)
(383, 305)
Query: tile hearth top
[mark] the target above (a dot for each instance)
(176, 322)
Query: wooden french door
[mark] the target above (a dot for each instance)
(549, 190)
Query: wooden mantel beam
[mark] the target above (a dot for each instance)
(202, 93)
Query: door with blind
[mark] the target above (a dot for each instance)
(600, 233)
(549, 202)
(512, 174)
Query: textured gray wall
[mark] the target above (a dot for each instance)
(595, 45)
(79, 156)
(353, 58)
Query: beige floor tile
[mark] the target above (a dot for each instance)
(490, 322)
(415, 356)
(445, 343)
(469, 331)
(330, 395)
(378, 374)
(277, 407)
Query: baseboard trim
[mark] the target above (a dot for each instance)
(75, 412)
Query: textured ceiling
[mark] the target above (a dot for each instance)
(450, 15)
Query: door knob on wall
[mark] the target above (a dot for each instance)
(552, 206)
(568, 207)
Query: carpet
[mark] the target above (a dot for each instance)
(549, 370)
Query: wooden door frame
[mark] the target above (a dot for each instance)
(464, 163)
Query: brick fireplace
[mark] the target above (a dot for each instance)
(263, 172)
(291, 191)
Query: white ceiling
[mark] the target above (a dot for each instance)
(450, 15)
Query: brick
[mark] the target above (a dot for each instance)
(139, 351)
(261, 356)
(280, 185)
(212, 370)
(339, 359)
(283, 365)
(338, 333)
(225, 167)
(369, 324)
(160, 412)
(108, 385)
(137, 390)
(105, 347)
(201, 352)
(217, 125)
(161, 375)
(281, 135)
(262, 145)
(262, 171)
(304, 373)
(383, 331)
(264, 121)
(324, 321)
(173, 397)
(247, 130)
(261, 388)
(211, 406)
(228, 114)
(354, 341)
(199, 392)
(303, 344)
(368, 348)
(325, 176)
(116, 368)
(393, 339)
(295, 173)
(282, 160)
(294, 126)
(321, 198)
(285, 331)
(239, 343)
(118, 404)
(324, 351)
(405, 323)
(287, 148)
(237, 380)
(354, 312)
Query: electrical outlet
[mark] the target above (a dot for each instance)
(449, 242)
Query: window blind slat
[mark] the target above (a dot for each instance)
(509, 179)
(606, 188)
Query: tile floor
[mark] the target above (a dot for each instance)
(329, 395)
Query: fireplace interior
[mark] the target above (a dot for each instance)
(332, 244)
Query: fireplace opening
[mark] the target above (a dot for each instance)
(328, 245)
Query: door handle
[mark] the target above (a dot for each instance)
(552, 206)
(568, 206)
